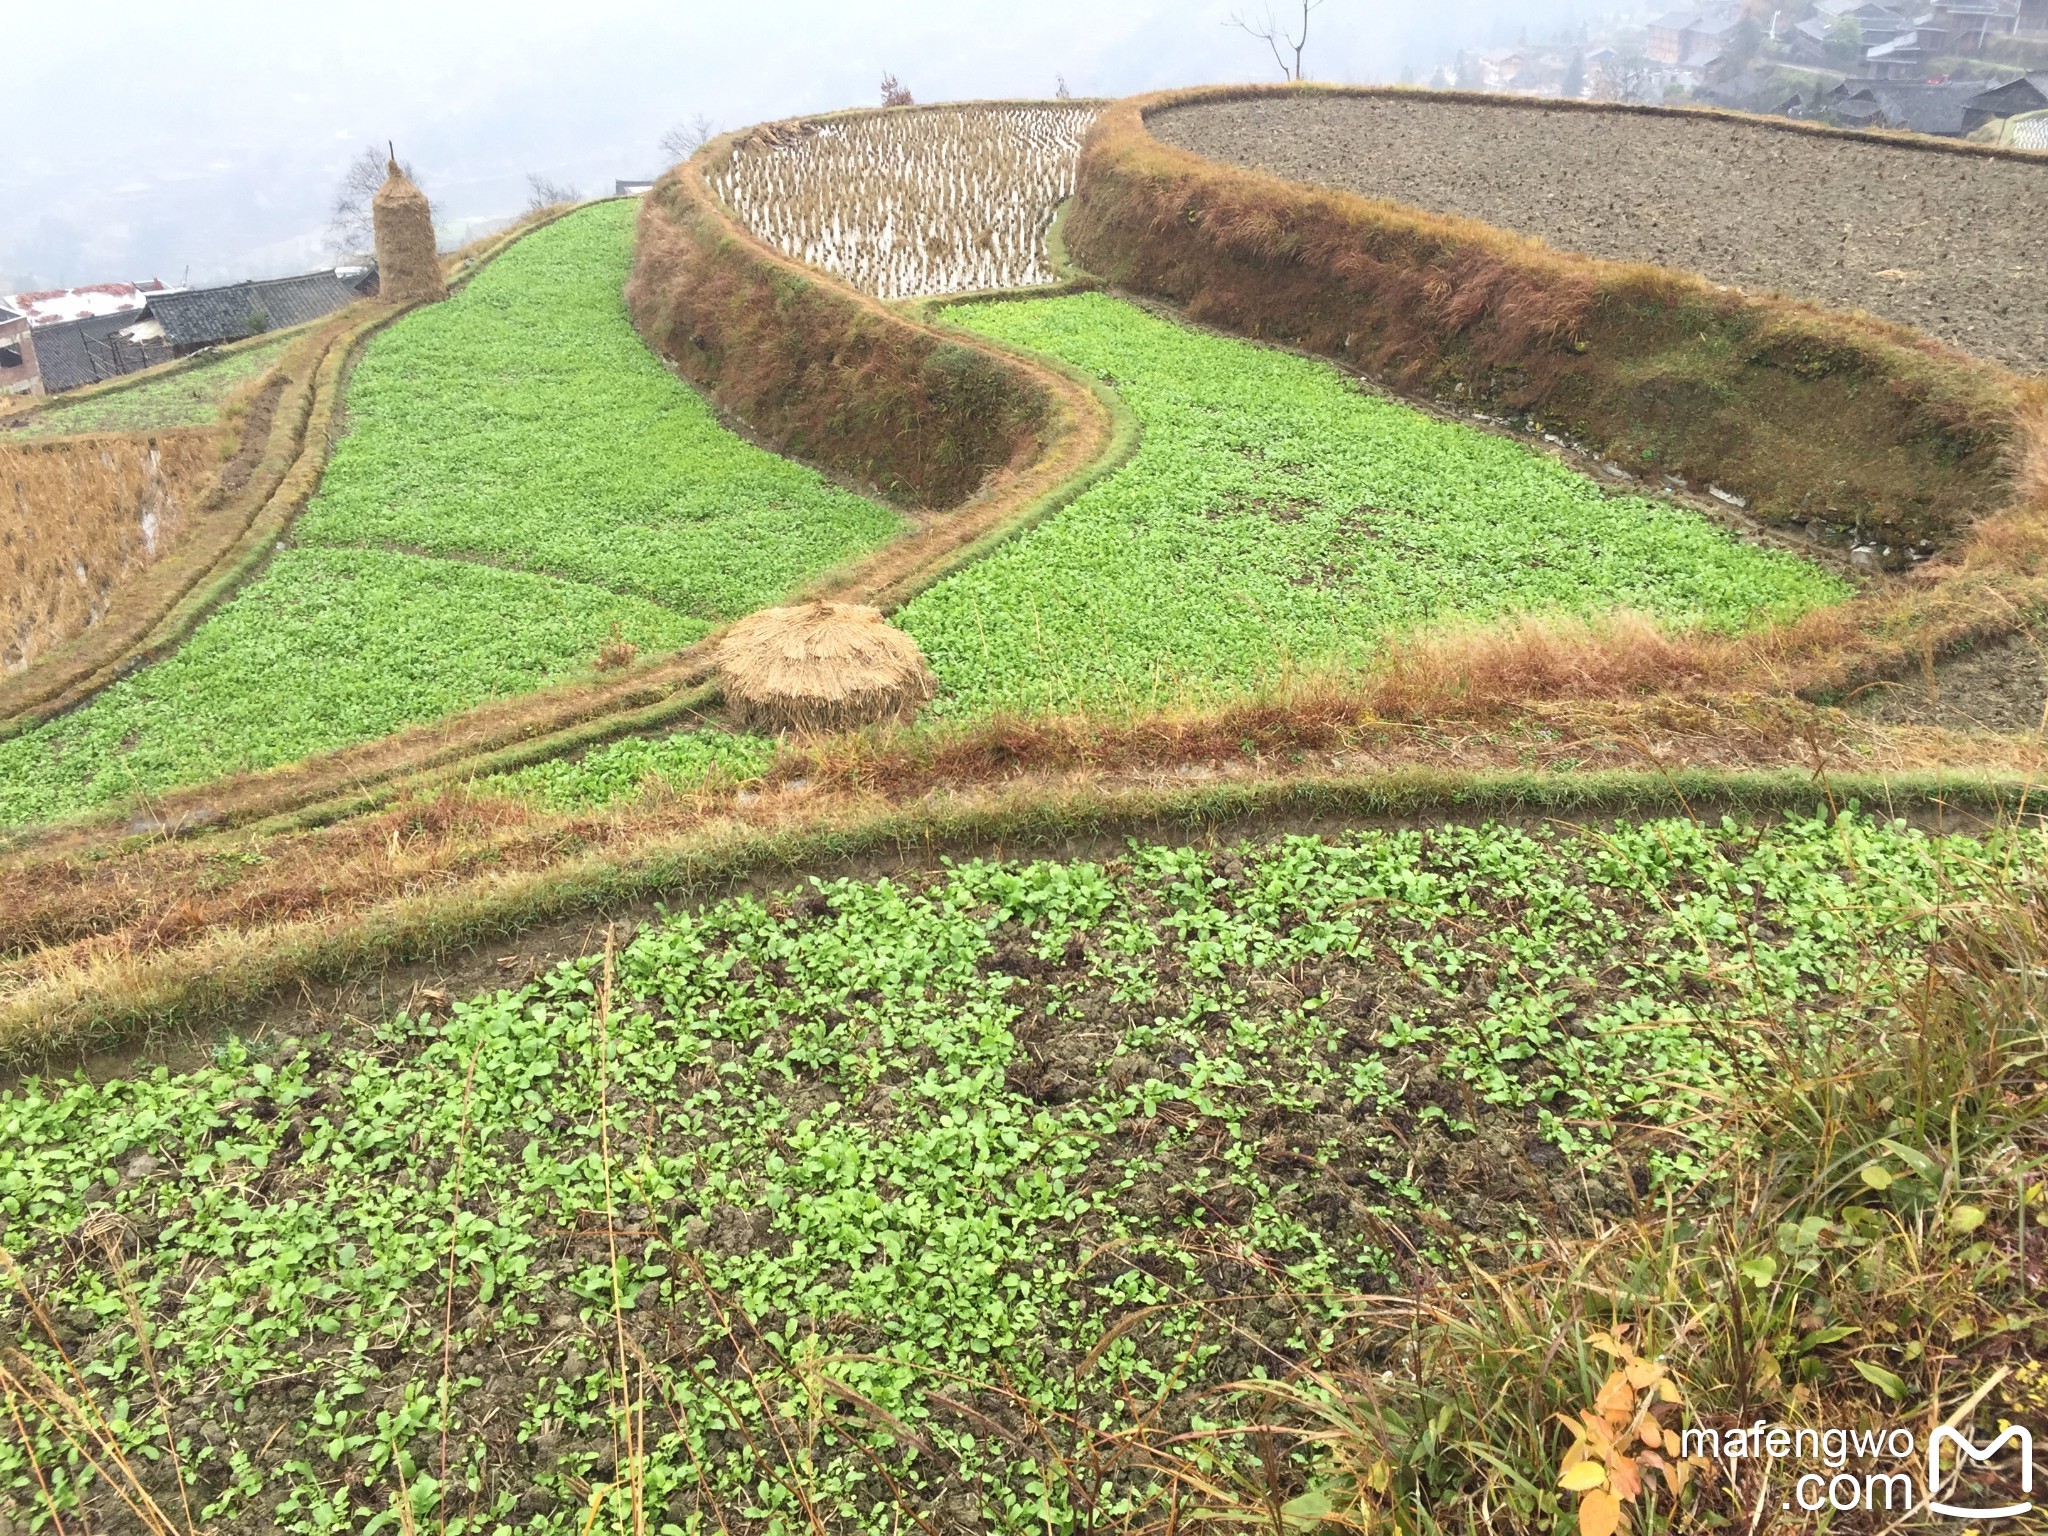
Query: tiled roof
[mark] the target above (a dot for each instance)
(204, 316)
(75, 353)
(1922, 108)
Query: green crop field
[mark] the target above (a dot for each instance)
(1275, 516)
(620, 770)
(926, 1139)
(346, 644)
(190, 397)
(520, 476)
(525, 423)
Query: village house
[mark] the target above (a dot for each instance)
(17, 354)
(1916, 106)
(1966, 24)
(79, 336)
(2028, 93)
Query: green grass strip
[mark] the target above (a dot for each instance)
(186, 397)
(622, 770)
(327, 647)
(1277, 517)
(525, 422)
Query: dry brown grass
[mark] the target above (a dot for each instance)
(79, 515)
(821, 667)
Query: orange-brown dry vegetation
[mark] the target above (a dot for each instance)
(79, 515)
(281, 446)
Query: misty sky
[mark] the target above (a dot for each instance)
(203, 143)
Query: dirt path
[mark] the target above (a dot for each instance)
(1946, 243)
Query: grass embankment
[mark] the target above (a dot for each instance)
(521, 481)
(190, 396)
(1276, 518)
(952, 1197)
(635, 766)
(1812, 416)
(828, 374)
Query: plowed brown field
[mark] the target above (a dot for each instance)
(1935, 240)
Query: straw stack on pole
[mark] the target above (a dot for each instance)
(821, 667)
(408, 266)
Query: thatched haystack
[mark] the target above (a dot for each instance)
(822, 667)
(408, 267)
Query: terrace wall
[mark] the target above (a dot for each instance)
(80, 514)
(817, 370)
(1811, 415)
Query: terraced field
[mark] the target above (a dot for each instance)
(836, 1205)
(1917, 235)
(1278, 518)
(910, 203)
(189, 397)
(521, 482)
(1289, 1149)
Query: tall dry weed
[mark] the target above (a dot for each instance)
(1463, 672)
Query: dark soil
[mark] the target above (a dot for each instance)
(2001, 688)
(1932, 240)
(235, 478)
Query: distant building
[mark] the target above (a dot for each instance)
(207, 317)
(1693, 40)
(631, 188)
(52, 306)
(80, 336)
(1966, 24)
(74, 353)
(2028, 93)
(1818, 39)
(17, 354)
(1908, 56)
(1918, 107)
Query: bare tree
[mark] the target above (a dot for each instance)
(685, 139)
(542, 194)
(1274, 36)
(348, 227)
(1062, 93)
(895, 93)
(1629, 76)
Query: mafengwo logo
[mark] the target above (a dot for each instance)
(1939, 1475)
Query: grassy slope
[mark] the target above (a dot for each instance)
(620, 770)
(1275, 516)
(523, 427)
(190, 397)
(525, 423)
(952, 1125)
